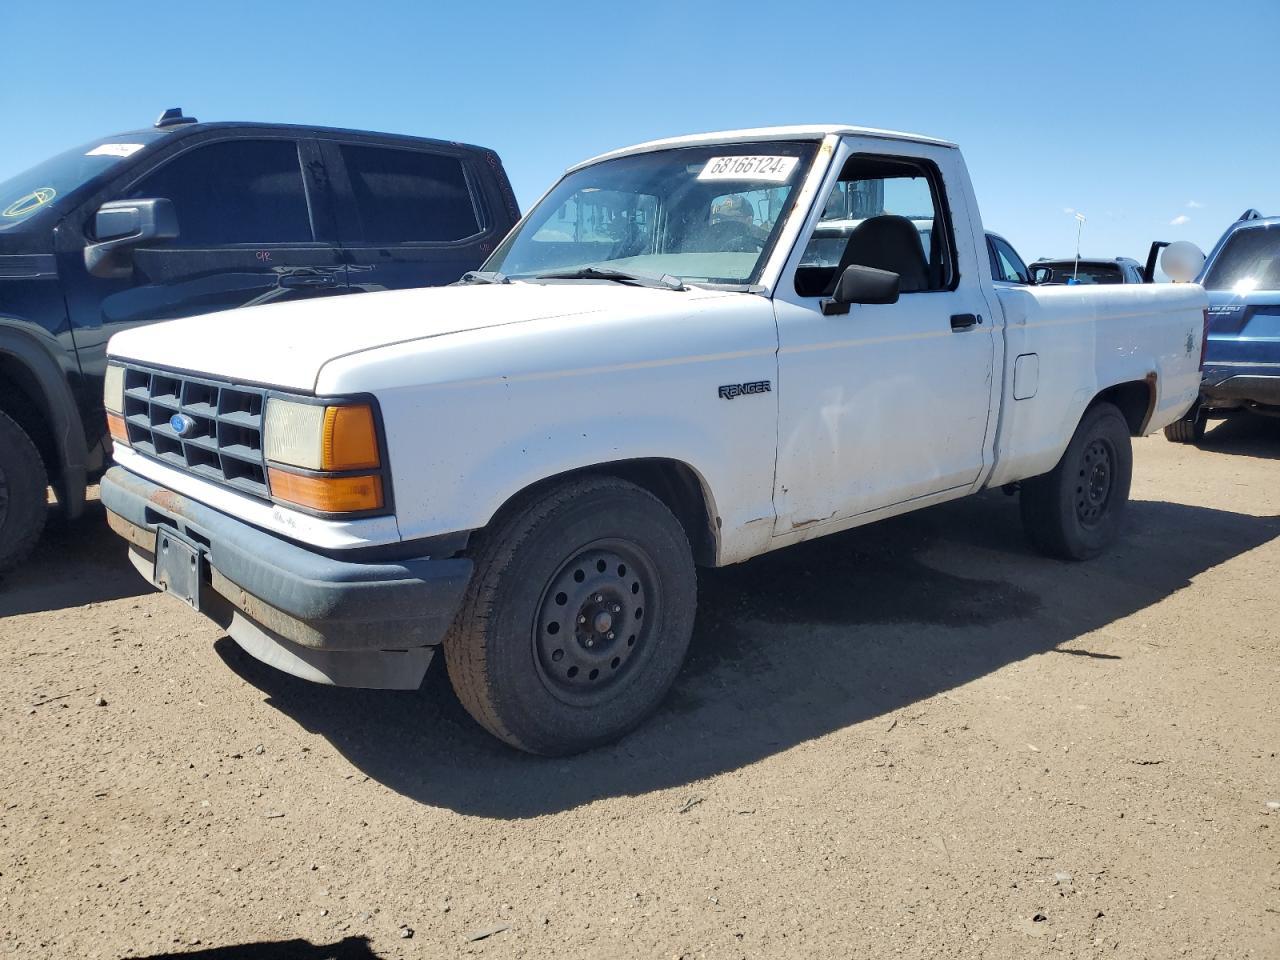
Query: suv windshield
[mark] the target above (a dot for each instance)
(702, 214)
(35, 189)
(1249, 260)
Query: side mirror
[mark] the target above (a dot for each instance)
(859, 284)
(1041, 275)
(121, 225)
(1181, 261)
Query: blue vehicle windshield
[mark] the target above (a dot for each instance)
(1248, 261)
(42, 186)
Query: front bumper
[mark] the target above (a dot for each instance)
(361, 624)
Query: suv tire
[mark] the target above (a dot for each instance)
(577, 618)
(23, 494)
(1074, 511)
(1190, 429)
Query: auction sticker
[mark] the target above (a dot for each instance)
(32, 202)
(115, 150)
(768, 169)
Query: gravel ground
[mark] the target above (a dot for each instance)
(918, 739)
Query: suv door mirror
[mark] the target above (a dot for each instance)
(859, 284)
(1041, 275)
(121, 225)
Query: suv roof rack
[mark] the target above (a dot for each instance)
(1250, 214)
(172, 118)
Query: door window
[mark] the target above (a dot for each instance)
(1011, 267)
(234, 191)
(406, 196)
(883, 212)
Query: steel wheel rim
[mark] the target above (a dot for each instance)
(594, 622)
(1095, 482)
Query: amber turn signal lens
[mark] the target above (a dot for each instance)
(119, 432)
(350, 439)
(327, 494)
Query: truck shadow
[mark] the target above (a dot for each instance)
(349, 948)
(789, 647)
(1244, 435)
(76, 562)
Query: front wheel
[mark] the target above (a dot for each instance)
(1074, 511)
(577, 618)
(23, 494)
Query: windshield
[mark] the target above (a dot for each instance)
(701, 214)
(1248, 261)
(1064, 271)
(33, 190)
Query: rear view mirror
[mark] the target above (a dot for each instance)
(121, 225)
(859, 284)
(1041, 275)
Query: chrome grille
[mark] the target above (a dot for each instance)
(224, 442)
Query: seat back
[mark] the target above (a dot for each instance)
(887, 242)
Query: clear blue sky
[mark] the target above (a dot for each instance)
(1136, 114)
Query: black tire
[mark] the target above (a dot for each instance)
(1190, 429)
(537, 654)
(23, 494)
(1074, 511)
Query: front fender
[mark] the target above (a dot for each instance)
(47, 363)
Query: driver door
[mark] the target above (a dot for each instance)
(891, 402)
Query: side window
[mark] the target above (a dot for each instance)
(1012, 268)
(884, 212)
(234, 191)
(407, 196)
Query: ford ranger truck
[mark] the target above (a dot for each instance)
(657, 369)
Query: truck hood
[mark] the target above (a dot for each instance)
(287, 344)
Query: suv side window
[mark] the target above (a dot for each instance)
(406, 196)
(883, 212)
(234, 191)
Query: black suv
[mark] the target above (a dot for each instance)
(186, 218)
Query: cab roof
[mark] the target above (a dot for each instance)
(756, 134)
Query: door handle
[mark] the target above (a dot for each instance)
(963, 321)
(308, 280)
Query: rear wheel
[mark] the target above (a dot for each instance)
(1074, 511)
(577, 617)
(1190, 429)
(23, 494)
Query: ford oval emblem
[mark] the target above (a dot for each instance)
(181, 424)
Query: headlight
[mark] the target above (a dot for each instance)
(325, 444)
(113, 400)
(293, 433)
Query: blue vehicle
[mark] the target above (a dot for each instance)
(1242, 350)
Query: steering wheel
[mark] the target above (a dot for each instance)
(733, 236)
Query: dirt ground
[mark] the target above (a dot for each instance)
(918, 739)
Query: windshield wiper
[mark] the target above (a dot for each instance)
(664, 282)
(484, 276)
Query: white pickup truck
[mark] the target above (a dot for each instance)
(690, 352)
